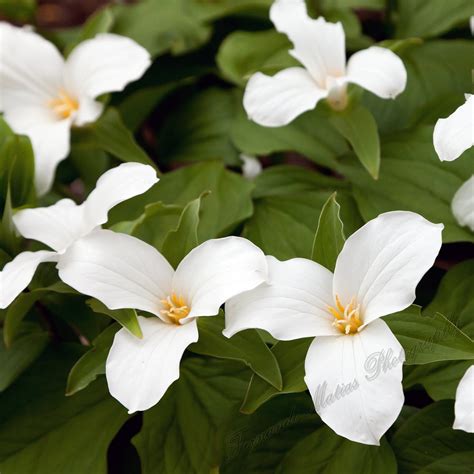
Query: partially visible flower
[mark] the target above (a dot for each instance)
(43, 95)
(124, 272)
(320, 47)
(454, 135)
(462, 204)
(464, 405)
(251, 167)
(354, 364)
(59, 225)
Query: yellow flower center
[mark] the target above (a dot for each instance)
(346, 318)
(64, 105)
(175, 308)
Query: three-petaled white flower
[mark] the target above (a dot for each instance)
(124, 272)
(320, 47)
(354, 365)
(464, 405)
(43, 95)
(462, 204)
(454, 135)
(59, 225)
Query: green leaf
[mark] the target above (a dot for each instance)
(359, 127)
(27, 347)
(100, 22)
(180, 241)
(228, 204)
(110, 134)
(127, 318)
(44, 432)
(290, 356)
(185, 432)
(92, 363)
(412, 178)
(247, 347)
(19, 10)
(427, 443)
(429, 339)
(428, 19)
(329, 238)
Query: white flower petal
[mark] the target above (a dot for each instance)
(355, 382)
(464, 406)
(274, 101)
(30, 69)
(17, 274)
(454, 135)
(318, 44)
(217, 270)
(291, 305)
(56, 226)
(378, 70)
(115, 186)
(462, 204)
(106, 63)
(251, 166)
(139, 371)
(117, 269)
(381, 264)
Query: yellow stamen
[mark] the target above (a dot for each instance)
(175, 308)
(64, 105)
(347, 318)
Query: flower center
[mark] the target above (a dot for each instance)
(175, 308)
(347, 318)
(63, 105)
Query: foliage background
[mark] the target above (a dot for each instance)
(185, 115)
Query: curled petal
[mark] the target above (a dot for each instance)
(464, 406)
(462, 204)
(139, 371)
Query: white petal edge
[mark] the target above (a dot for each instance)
(274, 101)
(378, 70)
(382, 263)
(464, 405)
(291, 305)
(356, 382)
(17, 274)
(462, 204)
(454, 135)
(318, 45)
(117, 269)
(217, 270)
(140, 371)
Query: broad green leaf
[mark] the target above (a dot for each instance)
(427, 443)
(412, 178)
(208, 11)
(359, 127)
(428, 19)
(228, 204)
(92, 363)
(247, 347)
(44, 432)
(100, 22)
(429, 338)
(325, 452)
(110, 134)
(238, 58)
(26, 349)
(127, 318)
(199, 129)
(290, 356)
(186, 431)
(329, 238)
(180, 241)
(9, 239)
(18, 10)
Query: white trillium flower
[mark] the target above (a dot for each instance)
(125, 272)
(320, 47)
(42, 94)
(251, 166)
(59, 225)
(462, 204)
(354, 365)
(454, 135)
(464, 405)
